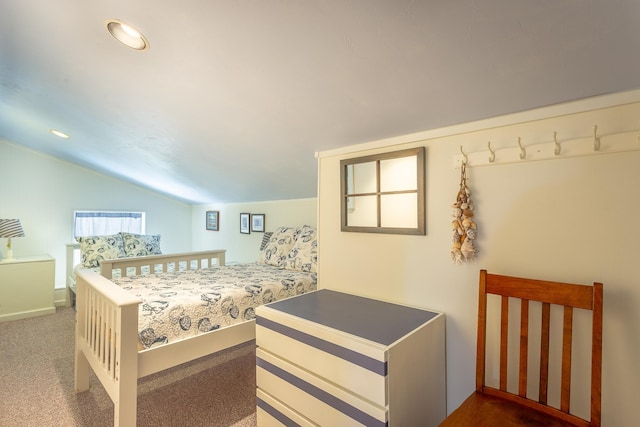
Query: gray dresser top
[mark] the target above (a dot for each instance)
(377, 321)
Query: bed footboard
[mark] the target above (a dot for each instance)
(106, 333)
(106, 340)
(162, 263)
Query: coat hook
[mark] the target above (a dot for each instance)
(466, 159)
(596, 140)
(523, 152)
(492, 156)
(557, 148)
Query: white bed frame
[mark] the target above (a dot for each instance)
(107, 331)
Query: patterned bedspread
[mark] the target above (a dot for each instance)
(182, 304)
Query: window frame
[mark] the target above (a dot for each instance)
(346, 193)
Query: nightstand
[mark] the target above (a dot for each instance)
(26, 287)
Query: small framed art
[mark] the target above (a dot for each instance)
(213, 220)
(257, 223)
(244, 223)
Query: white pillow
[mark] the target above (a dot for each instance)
(94, 249)
(277, 249)
(303, 256)
(141, 244)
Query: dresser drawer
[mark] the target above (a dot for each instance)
(356, 365)
(270, 412)
(313, 397)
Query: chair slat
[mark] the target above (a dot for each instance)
(544, 353)
(565, 381)
(524, 347)
(504, 341)
(482, 335)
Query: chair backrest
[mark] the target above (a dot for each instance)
(569, 296)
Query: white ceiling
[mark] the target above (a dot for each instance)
(234, 97)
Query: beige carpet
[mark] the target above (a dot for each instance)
(36, 383)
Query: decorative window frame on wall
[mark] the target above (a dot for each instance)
(381, 197)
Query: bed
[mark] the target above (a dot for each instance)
(112, 316)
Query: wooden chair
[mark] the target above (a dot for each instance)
(491, 406)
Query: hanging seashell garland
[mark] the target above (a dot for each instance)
(464, 229)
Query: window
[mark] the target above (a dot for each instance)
(92, 223)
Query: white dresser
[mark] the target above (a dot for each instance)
(26, 287)
(332, 359)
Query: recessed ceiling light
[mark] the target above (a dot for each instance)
(59, 133)
(126, 34)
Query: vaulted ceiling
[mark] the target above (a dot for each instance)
(234, 97)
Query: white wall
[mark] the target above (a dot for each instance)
(43, 192)
(245, 247)
(569, 219)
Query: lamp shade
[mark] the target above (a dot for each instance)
(11, 228)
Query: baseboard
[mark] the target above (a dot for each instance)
(60, 297)
(25, 314)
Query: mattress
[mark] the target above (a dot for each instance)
(182, 304)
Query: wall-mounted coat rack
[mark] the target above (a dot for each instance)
(556, 148)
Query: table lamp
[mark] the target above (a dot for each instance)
(10, 228)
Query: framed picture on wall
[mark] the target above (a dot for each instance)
(213, 220)
(257, 223)
(244, 223)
